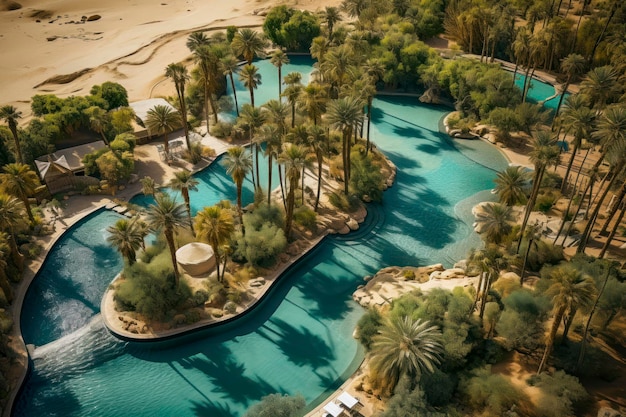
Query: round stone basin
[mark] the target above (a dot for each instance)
(196, 258)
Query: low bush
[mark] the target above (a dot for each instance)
(222, 130)
(149, 290)
(368, 326)
(491, 394)
(562, 394)
(306, 218)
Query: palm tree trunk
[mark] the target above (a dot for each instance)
(564, 216)
(478, 289)
(583, 342)
(269, 179)
(523, 272)
(232, 84)
(169, 237)
(613, 231)
(530, 204)
(587, 232)
(369, 119)
(567, 323)
(580, 204)
(618, 200)
(18, 148)
(185, 194)
(558, 316)
(346, 146)
(217, 258)
(320, 162)
(239, 209)
(485, 292)
(282, 186)
(569, 167)
(601, 36)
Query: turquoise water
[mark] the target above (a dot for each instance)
(299, 339)
(539, 91)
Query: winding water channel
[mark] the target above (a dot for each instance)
(299, 340)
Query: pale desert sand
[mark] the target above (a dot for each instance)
(131, 43)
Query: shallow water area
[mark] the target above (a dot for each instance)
(299, 339)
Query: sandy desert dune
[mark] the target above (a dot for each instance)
(66, 46)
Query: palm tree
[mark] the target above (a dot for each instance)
(251, 79)
(317, 139)
(277, 113)
(312, 100)
(177, 72)
(216, 225)
(270, 135)
(573, 66)
(579, 121)
(253, 117)
(532, 234)
(343, 115)
(494, 222)
(238, 164)
(570, 289)
(148, 186)
(489, 262)
(545, 154)
(98, 121)
(167, 215)
(126, 237)
(404, 346)
(512, 185)
(184, 182)
(162, 120)
(20, 181)
(294, 157)
(231, 66)
(209, 69)
(331, 16)
(10, 115)
(197, 39)
(11, 220)
(248, 43)
(601, 86)
(279, 58)
(583, 342)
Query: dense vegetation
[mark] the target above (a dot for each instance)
(361, 49)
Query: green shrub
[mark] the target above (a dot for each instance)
(561, 394)
(366, 178)
(200, 297)
(408, 274)
(192, 316)
(438, 387)
(222, 130)
(305, 217)
(546, 201)
(343, 202)
(277, 405)
(6, 322)
(368, 326)
(521, 322)
(148, 289)
(551, 179)
(490, 393)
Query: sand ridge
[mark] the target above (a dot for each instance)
(54, 47)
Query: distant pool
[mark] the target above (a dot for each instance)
(297, 341)
(540, 91)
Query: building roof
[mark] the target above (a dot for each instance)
(70, 158)
(142, 107)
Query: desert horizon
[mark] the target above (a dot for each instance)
(64, 47)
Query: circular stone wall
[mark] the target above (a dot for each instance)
(196, 258)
